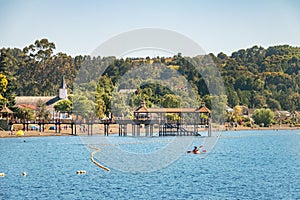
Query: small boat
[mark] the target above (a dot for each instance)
(196, 152)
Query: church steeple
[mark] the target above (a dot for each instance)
(63, 91)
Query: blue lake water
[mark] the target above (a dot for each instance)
(243, 165)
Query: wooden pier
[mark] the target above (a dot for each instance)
(40, 126)
(146, 123)
(138, 127)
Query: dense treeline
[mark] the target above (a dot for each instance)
(254, 77)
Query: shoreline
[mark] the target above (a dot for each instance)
(114, 130)
(260, 128)
(7, 134)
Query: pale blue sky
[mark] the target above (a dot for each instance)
(78, 27)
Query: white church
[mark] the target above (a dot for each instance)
(50, 101)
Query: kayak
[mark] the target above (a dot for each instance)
(196, 152)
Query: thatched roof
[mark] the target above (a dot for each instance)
(141, 109)
(6, 110)
(204, 109)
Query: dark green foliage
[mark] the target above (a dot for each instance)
(64, 106)
(41, 113)
(254, 77)
(263, 117)
(262, 76)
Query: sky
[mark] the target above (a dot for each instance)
(79, 27)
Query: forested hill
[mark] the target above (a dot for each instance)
(254, 77)
(258, 76)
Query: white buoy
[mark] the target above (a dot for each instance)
(2, 174)
(81, 172)
(24, 174)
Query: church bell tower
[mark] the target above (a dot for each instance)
(63, 91)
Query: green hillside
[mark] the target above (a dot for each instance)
(254, 77)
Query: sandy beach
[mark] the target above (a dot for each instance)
(8, 134)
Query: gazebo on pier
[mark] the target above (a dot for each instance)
(187, 122)
(6, 115)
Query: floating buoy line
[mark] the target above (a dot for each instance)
(93, 160)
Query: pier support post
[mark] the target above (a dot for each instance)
(209, 127)
(125, 130)
(138, 130)
(151, 130)
(72, 129)
(106, 127)
(147, 129)
(133, 129)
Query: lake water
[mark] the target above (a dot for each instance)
(243, 165)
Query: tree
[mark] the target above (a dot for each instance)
(103, 96)
(84, 107)
(245, 96)
(273, 104)
(25, 113)
(258, 101)
(222, 56)
(170, 101)
(119, 104)
(295, 101)
(64, 106)
(10, 60)
(218, 104)
(3, 86)
(232, 96)
(41, 112)
(236, 115)
(100, 108)
(41, 50)
(263, 116)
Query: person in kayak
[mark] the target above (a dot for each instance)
(195, 150)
